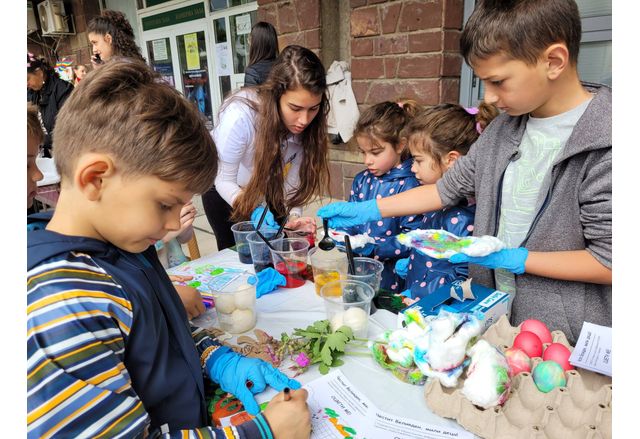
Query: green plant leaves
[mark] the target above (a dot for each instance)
(319, 343)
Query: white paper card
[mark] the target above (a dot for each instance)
(160, 50)
(243, 24)
(223, 61)
(339, 410)
(593, 349)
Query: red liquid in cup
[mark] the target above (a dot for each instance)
(294, 273)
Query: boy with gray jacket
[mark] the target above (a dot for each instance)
(540, 172)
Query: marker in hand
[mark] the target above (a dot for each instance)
(287, 393)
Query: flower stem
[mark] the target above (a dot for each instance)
(357, 354)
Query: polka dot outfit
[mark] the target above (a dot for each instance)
(367, 186)
(426, 274)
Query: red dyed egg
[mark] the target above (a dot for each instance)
(538, 328)
(559, 353)
(529, 343)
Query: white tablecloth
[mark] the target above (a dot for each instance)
(288, 308)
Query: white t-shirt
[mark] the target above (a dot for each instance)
(234, 136)
(526, 180)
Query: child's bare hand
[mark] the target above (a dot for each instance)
(187, 216)
(303, 224)
(289, 419)
(179, 278)
(191, 299)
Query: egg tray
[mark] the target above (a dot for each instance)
(580, 410)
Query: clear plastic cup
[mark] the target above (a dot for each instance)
(351, 307)
(291, 261)
(260, 251)
(309, 236)
(236, 305)
(327, 266)
(369, 271)
(240, 232)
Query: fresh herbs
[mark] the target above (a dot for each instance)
(317, 344)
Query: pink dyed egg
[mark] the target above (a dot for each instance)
(518, 361)
(559, 353)
(529, 343)
(538, 328)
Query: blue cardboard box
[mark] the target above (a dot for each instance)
(491, 303)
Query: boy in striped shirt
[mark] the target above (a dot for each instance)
(110, 349)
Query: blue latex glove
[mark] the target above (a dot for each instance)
(267, 280)
(343, 214)
(511, 259)
(232, 371)
(269, 221)
(402, 267)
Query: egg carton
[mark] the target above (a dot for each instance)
(579, 410)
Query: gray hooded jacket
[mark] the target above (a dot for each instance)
(576, 214)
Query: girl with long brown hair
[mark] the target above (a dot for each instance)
(272, 146)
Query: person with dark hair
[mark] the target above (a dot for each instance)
(386, 156)
(111, 34)
(540, 172)
(272, 143)
(111, 350)
(263, 50)
(48, 92)
(79, 72)
(437, 138)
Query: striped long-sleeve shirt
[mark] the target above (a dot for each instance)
(79, 321)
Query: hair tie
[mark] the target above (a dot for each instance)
(479, 128)
(401, 105)
(471, 110)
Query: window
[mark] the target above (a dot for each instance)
(594, 61)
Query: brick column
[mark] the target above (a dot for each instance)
(296, 21)
(405, 49)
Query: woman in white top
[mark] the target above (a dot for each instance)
(265, 136)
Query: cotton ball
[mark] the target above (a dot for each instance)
(336, 321)
(242, 320)
(488, 381)
(245, 298)
(225, 303)
(483, 246)
(355, 318)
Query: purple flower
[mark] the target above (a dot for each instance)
(302, 360)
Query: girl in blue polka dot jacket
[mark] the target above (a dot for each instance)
(388, 172)
(437, 138)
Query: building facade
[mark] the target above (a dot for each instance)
(395, 48)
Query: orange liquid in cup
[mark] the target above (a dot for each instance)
(322, 278)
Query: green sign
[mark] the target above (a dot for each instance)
(176, 16)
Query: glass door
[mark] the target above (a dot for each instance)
(192, 55)
(179, 54)
(160, 59)
(232, 22)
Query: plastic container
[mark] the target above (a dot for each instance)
(351, 307)
(291, 261)
(236, 305)
(260, 251)
(368, 271)
(327, 266)
(240, 232)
